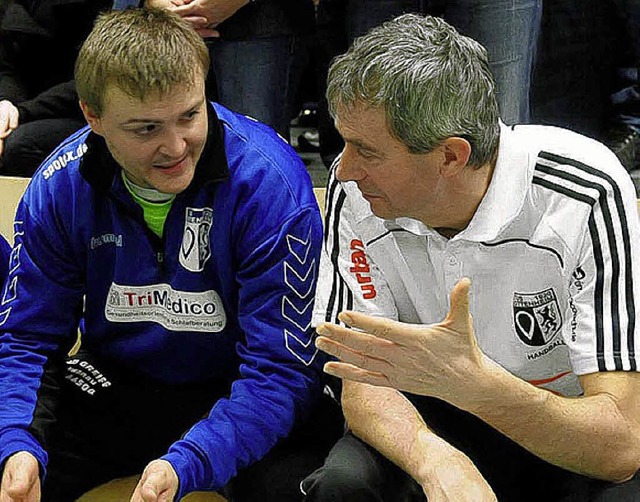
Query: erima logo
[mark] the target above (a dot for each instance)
(196, 249)
(172, 309)
(361, 270)
(578, 278)
(536, 316)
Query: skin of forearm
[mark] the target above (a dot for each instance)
(589, 435)
(386, 420)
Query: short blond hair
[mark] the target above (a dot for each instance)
(140, 51)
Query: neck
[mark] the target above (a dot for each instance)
(463, 199)
(148, 194)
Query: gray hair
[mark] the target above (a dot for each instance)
(432, 83)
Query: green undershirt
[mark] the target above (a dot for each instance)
(155, 205)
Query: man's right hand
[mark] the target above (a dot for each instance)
(8, 120)
(21, 479)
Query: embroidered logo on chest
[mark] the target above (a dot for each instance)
(196, 249)
(536, 317)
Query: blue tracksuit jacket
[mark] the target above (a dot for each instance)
(228, 289)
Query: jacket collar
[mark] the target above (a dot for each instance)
(99, 168)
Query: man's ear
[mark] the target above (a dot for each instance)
(92, 118)
(456, 152)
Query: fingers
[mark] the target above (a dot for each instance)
(350, 372)
(189, 10)
(9, 116)
(378, 326)
(347, 355)
(356, 340)
(458, 319)
(208, 33)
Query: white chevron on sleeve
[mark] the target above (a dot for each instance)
(18, 228)
(14, 258)
(5, 314)
(10, 291)
(305, 243)
(291, 339)
(308, 278)
(286, 301)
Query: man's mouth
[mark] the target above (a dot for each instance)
(166, 166)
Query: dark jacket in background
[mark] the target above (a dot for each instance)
(39, 42)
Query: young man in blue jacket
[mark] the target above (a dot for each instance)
(187, 238)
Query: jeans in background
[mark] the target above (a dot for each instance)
(508, 29)
(257, 77)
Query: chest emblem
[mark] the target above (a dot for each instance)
(196, 248)
(536, 317)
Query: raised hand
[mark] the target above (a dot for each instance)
(440, 360)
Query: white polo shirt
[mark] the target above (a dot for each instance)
(553, 253)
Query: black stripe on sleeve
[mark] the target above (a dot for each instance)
(626, 242)
(605, 205)
(593, 231)
(335, 253)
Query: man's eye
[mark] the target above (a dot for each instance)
(145, 130)
(366, 154)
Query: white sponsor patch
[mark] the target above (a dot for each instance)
(160, 303)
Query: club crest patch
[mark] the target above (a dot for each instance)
(536, 317)
(196, 248)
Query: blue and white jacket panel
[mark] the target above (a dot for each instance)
(228, 290)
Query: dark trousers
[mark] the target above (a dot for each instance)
(111, 422)
(355, 472)
(32, 142)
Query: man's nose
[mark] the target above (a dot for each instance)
(174, 145)
(349, 166)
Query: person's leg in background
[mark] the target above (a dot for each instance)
(30, 143)
(575, 66)
(339, 22)
(624, 133)
(256, 77)
(509, 30)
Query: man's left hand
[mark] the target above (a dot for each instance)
(159, 483)
(441, 360)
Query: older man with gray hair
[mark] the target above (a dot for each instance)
(437, 212)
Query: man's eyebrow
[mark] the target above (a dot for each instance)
(360, 144)
(141, 120)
